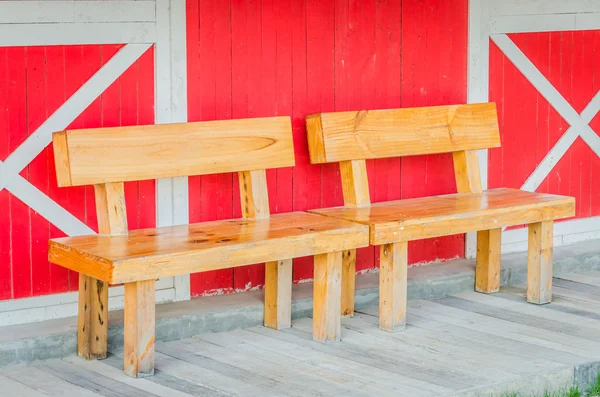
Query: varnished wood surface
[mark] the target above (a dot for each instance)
(168, 251)
(118, 154)
(414, 219)
(369, 134)
(468, 344)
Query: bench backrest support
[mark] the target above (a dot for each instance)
(352, 137)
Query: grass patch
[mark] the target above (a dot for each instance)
(594, 389)
(571, 392)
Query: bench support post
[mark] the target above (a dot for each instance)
(539, 262)
(393, 273)
(327, 297)
(348, 282)
(139, 328)
(487, 275)
(278, 294)
(92, 327)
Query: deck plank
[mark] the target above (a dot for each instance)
(11, 387)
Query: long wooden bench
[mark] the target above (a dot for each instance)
(107, 157)
(352, 137)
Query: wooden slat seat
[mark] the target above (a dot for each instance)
(350, 138)
(168, 251)
(108, 157)
(434, 216)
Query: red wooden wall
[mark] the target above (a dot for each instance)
(530, 126)
(296, 57)
(34, 82)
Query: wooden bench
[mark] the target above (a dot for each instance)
(351, 137)
(107, 157)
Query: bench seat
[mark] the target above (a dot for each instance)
(168, 251)
(419, 218)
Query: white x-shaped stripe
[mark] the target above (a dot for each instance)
(579, 123)
(59, 120)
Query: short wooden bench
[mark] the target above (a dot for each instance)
(351, 137)
(107, 157)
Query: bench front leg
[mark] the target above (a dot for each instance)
(348, 282)
(540, 257)
(327, 322)
(393, 274)
(139, 328)
(92, 325)
(278, 294)
(487, 273)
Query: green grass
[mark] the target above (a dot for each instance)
(593, 391)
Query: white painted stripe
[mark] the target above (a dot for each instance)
(46, 207)
(73, 106)
(561, 228)
(533, 23)
(76, 33)
(588, 21)
(69, 11)
(67, 308)
(525, 7)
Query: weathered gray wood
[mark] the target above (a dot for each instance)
(524, 333)
(591, 277)
(172, 382)
(45, 382)
(10, 387)
(97, 383)
(577, 286)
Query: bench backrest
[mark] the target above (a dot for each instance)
(107, 157)
(352, 137)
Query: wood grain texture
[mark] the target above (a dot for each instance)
(110, 208)
(139, 328)
(169, 251)
(369, 134)
(355, 183)
(135, 153)
(540, 257)
(61, 158)
(327, 297)
(487, 273)
(348, 282)
(393, 279)
(254, 196)
(92, 319)
(413, 219)
(278, 294)
(466, 171)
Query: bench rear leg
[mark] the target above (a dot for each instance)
(539, 262)
(92, 327)
(327, 297)
(487, 275)
(278, 294)
(393, 262)
(139, 328)
(348, 282)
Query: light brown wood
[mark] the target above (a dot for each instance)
(327, 297)
(487, 273)
(119, 154)
(393, 275)
(348, 282)
(539, 262)
(278, 294)
(414, 219)
(341, 136)
(355, 183)
(169, 251)
(254, 194)
(92, 324)
(92, 320)
(466, 171)
(139, 328)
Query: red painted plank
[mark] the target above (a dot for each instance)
(5, 243)
(595, 124)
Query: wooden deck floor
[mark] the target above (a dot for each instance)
(466, 344)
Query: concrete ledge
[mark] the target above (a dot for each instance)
(58, 338)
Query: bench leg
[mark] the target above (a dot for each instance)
(278, 294)
(487, 275)
(539, 262)
(92, 327)
(327, 322)
(348, 282)
(139, 328)
(393, 263)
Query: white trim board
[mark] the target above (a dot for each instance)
(494, 19)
